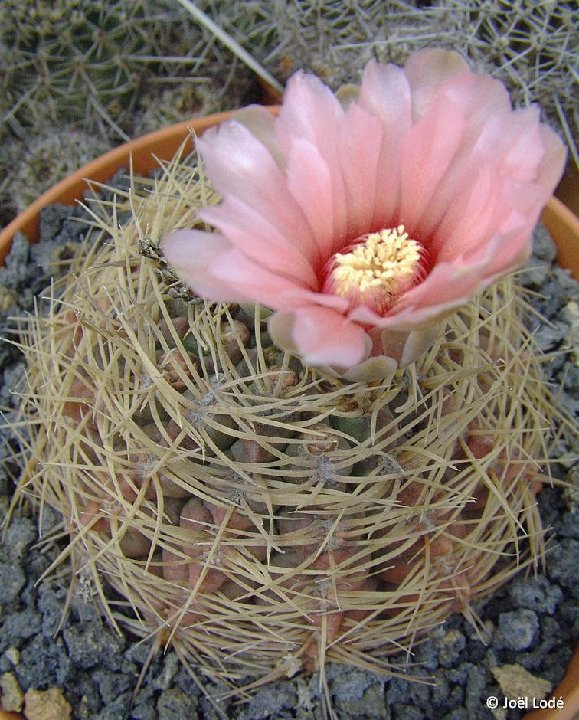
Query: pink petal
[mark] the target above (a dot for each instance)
(240, 166)
(480, 97)
(552, 162)
(388, 343)
(374, 369)
(521, 150)
(427, 151)
(252, 233)
(254, 283)
(320, 335)
(428, 71)
(474, 213)
(385, 92)
(261, 124)
(508, 237)
(360, 134)
(474, 162)
(477, 192)
(405, 346)
(312, 113)
(508, 145)
(418, 342)
(515, 248)
(310, 184)
(190, 253)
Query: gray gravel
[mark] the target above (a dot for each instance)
(530, 622)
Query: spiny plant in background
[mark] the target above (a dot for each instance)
(10, 155)
(530, 46)
(258, 515)
(48, 159)
(188, 99)
(112, 70)
(325, 38)
(89, 62)
(75, 61)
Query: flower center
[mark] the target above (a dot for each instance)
(377, 269)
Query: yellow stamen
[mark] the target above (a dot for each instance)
(378, 269)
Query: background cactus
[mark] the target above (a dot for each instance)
(112, 70)
(188, 99)
(258, 515)
(90, 63)
(48, 159)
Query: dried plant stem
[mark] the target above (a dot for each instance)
(231, 44)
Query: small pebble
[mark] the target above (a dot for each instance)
(174, 704)
(12, 580)
(548, 336)
(536, 272)
(562, 564)
(544, 247)
(517, 682)
(20, 534)
(12, 695)
(46, 705)
(450, 647)
(518, 629)
(13, 655)
(270, 701)
(536, 593)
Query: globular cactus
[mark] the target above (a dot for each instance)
(10, 154)
(261, 516)
(73, 60)
(188, 99)
(49, 158)
(88, 63)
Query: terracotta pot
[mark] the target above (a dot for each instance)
(141, 155)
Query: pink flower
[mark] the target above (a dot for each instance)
(363, 226)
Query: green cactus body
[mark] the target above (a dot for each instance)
(90, 63)
(50, 158)
(64, 56)
(262, 516)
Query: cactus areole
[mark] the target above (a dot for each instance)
(331, 450)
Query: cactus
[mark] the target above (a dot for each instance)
(10, 154)
(48, 159)
(71, 59)
(258, 515)
(88, 63)
(189, 99)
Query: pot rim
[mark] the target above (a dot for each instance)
(144, 154)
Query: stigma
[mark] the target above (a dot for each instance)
(377, 269)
